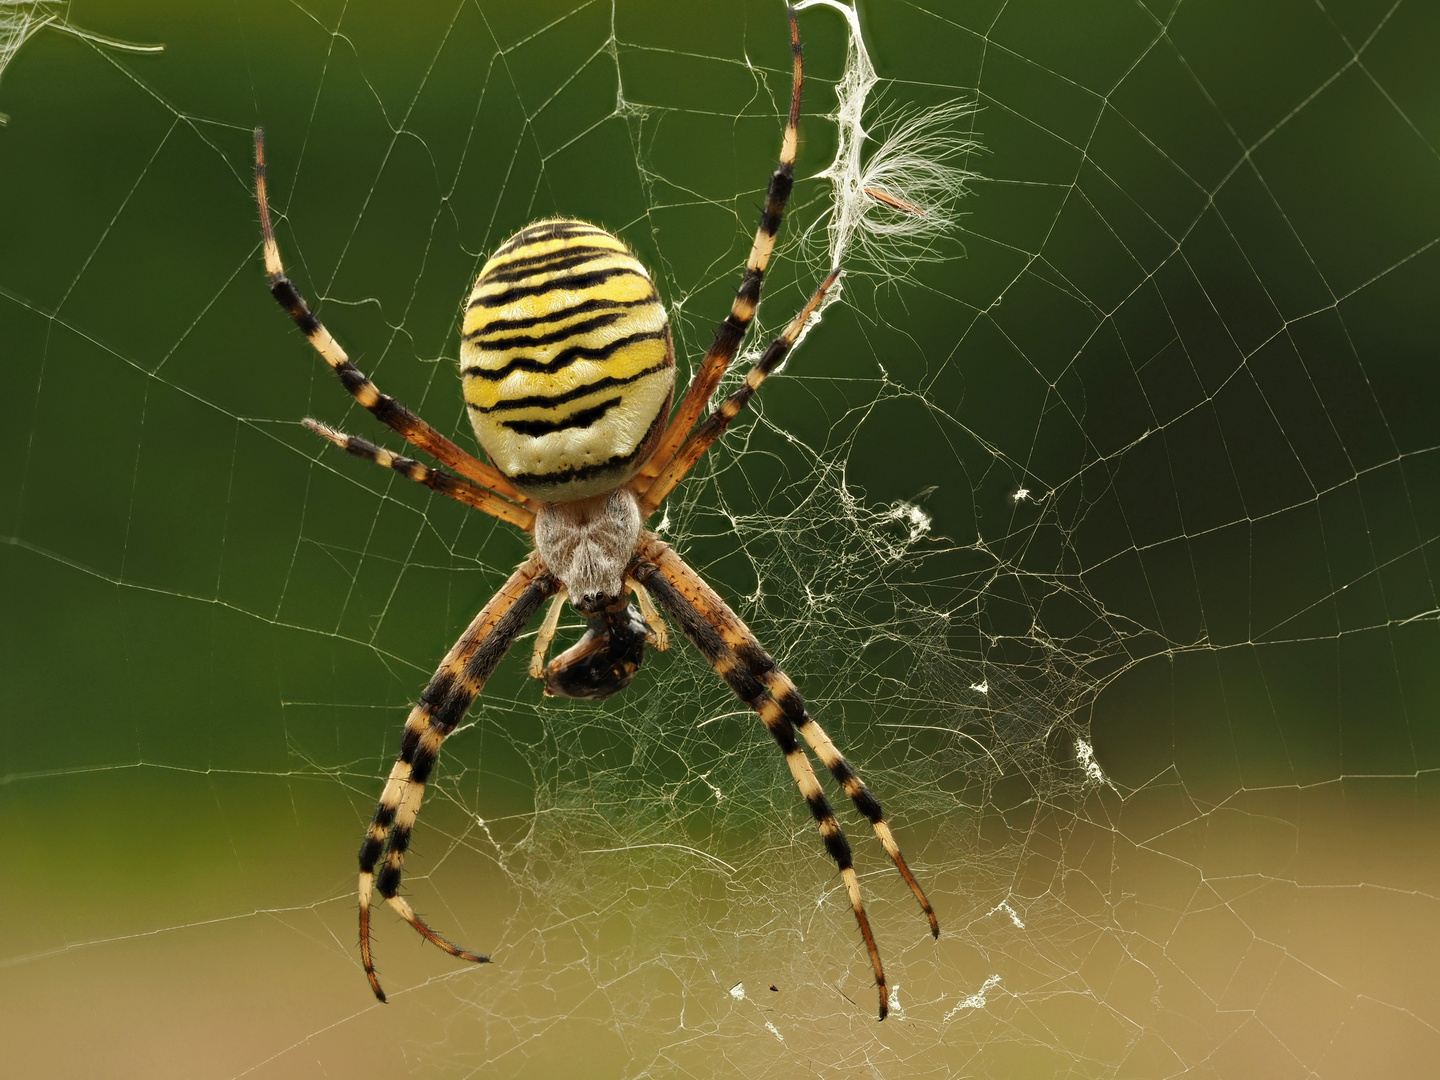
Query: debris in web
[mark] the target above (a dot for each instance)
(1085, 755)
(20, 20)
(976, 1000)
(891, 203)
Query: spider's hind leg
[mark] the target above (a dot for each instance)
(731, 331)
(383, 407)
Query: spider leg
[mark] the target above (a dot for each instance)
(749, 671)
(385, 408)
(546, 636)
(659, 633)
(747, 298)
(442, 705)
(784, 692)
(715, 424)
(456, 488)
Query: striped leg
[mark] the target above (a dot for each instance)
(453, 486)
(385, 408)
(737, 657)
(715, 424)
(441, 707)
(784, 692)
(747, 298)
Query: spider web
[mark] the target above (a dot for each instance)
(1096, 522)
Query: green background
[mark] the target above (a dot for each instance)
(1191, 312)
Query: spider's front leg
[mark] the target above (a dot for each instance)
(737, 657)
(442, 705)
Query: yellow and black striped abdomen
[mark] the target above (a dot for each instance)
(567, 361)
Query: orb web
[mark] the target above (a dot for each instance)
(1095, 520)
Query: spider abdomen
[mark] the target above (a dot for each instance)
(567, 361)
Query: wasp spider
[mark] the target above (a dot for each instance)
(569, 370)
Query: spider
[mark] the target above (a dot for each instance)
(568, 370)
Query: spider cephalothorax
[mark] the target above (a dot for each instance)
(588, 545)
(568, 372)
